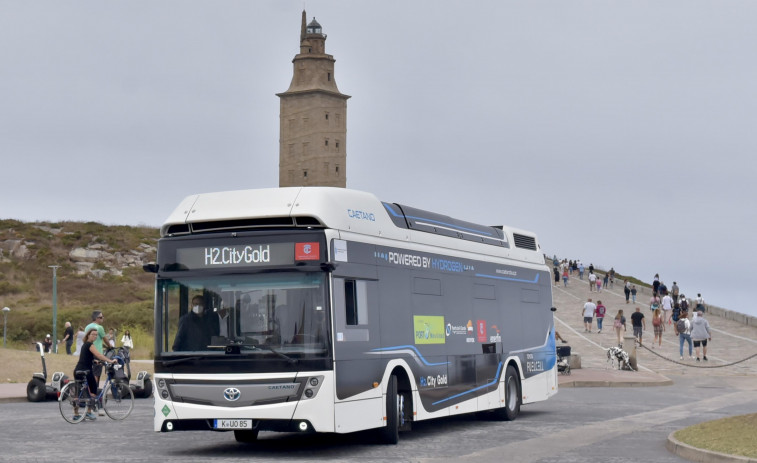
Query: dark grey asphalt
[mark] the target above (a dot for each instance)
(596, 424)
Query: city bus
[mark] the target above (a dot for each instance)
(316, 309)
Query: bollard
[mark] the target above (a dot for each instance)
(629, 345)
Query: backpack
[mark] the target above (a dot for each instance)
(681, 325)
(617, 323)
(656, 321)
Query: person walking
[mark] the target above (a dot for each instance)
(556, 271)
(599, 285)
(639, 324)
(654, 302)
(700, 334)
(683, 330)
(633, 293)
(658, 326)
(656, 284)
(618, 323)
(700, 303)
(667, 308)
(599, 314)
(126, 341)
(68, 338)
(87, 357)
(97, 324)
(588, 312)
(565, 277)
(592, 281)
(627, 289)
(79, 339)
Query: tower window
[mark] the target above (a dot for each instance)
(305, 174)
(327, 142)
(327, 116)
(337, 169)
(329, 77)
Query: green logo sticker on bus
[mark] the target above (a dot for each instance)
(429, 329)
(166, 410)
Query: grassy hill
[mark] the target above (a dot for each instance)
(100, 268)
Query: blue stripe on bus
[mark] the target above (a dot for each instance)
(384, 349)
(534, 281)
(491, 383)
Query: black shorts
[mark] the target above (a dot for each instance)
(703, 342)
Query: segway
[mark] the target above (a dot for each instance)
(38, 390)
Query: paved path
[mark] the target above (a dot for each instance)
(731, 341)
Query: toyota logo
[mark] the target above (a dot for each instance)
(231, 394)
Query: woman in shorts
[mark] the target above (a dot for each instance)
(658, 326)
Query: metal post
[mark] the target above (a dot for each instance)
(5, 322)
(55, 306)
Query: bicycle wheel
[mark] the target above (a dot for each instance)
(119, 401)
(72, 407)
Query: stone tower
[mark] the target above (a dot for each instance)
(313, 118)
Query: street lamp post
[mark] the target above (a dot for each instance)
(5, 322)
(55, 306)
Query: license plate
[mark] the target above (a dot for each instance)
(232, 424)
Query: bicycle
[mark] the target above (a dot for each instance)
(116, 396)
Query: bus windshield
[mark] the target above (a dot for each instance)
(281, 313)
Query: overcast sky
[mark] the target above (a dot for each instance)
(622, 133)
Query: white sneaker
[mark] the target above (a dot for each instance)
(681, 358)
(100, 412)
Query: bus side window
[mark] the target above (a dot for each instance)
(355, 302)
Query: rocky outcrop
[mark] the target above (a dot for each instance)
(95, 259)
(13, 249)
(99, 260)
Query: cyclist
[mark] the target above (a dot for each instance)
(86, 358)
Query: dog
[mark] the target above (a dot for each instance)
(616, 354)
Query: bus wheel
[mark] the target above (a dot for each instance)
(246, 437)
(512, 394)
(389, 434)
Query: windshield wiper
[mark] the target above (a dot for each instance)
(181, 360)
(271, 349)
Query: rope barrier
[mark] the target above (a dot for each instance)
(695, 366)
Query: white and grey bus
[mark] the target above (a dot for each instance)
(327, 310)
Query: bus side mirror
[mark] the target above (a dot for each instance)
(150, 268)
(553, 309)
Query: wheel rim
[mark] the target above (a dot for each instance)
(119, 401)
(67, 404)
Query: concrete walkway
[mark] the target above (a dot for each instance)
(731, 341)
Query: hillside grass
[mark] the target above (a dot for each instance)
(26, 284)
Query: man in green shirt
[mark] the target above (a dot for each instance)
(97, 321)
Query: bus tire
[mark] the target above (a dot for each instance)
(389, 434)
(512, 394)
(246, 437)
